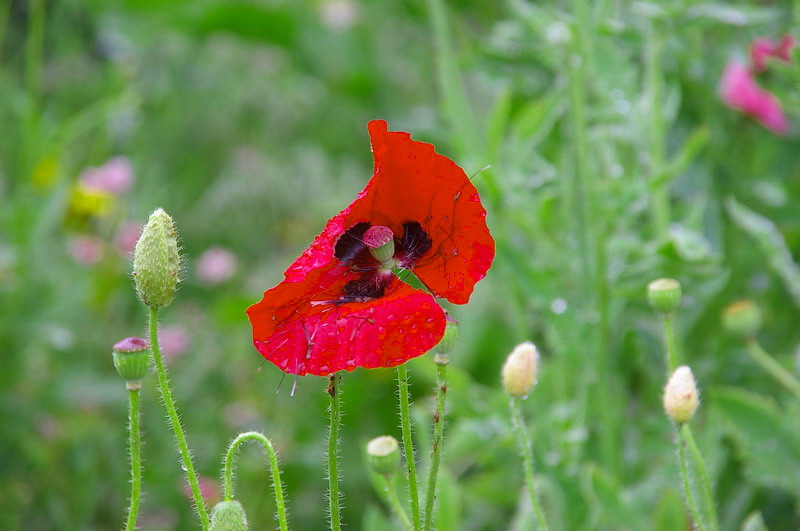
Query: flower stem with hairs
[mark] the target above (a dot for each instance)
(442, 360)
(333, 451)
(408, 445)
(135, 445)
(527, 459)
(175, 422)
(230, 457)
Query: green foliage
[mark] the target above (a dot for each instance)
(605, 159)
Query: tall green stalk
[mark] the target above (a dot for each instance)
(175, 422)
(230, 456)
(775, 369)
(408, 444)
(442, 360)
(526, 450)
(672, 343)
(657, 131)
(687, 487)
(705, 482)
(390, 493)
(335, 414)
(135, 446)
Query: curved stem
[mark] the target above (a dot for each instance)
(230, 457)
(442, 360)
(135, 444)
(175, 421)
(394, 501)
(333, 452)
(774, 368)
(527, 459)
(687, 488)
(408, 445)
(705, 481)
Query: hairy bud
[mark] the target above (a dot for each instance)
(681, 397)
(229, 516)
(521, 370)
(156, 261)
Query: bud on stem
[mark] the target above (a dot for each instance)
(156, 261)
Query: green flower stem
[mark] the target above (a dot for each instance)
(774, 368)
(527, 459)
(442, 360)
(705, 481)
(135, 445)
(394, 502)
(672, 344)
(333, 451)
(175, 421)
(687, 487)
(230, 457)
(408, 445)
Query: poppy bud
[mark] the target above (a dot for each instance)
(742, 318)
(156, 262)
(664, 294)
(229, 516)
(384, 455)
(681, 397)
(132, 360)
(450, 335)
(380, 241)
(520, 370)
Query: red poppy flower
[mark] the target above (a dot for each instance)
(341, 305)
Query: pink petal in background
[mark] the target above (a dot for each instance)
(763, 48)
(216, 265)
(739, 90)
(115, 176)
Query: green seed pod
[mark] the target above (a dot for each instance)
(664, 294)
(681, 397)
(380, 241)
(132, 360)
(229, 516)
(742, 318)
(384, 455)
(156, 261)
(521, 370)
(450, 335)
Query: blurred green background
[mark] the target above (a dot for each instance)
(613, 162)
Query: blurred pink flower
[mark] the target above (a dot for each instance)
(763, 48)
(115, 176)
(740, 91)
(126, 238)
(173, 340)
(209, 489)
(86, 250)
(216, 265)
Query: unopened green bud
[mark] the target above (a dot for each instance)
(132, 360)
(380, 241)
(681, 397)
(450, 335)
(521, 370)
(384, 455)
(664, 294)
(156, 261)
(742, 318)
(229, 516)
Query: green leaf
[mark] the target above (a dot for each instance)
(770, 243)
(766, 439)
(754, 522)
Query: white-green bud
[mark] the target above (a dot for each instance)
(384, 454)
(742, 318)
(521, 370)
(229, 516)
(681, 397)
(156, 261)
(664, 294)
(132, 360)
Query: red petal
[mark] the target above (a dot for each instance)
(414, 183)
(300, 333)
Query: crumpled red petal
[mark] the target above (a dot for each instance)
(302, 333)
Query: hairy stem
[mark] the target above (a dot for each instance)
(408, 445)
(333, 451)
(442, 360)
(672, 344)
(175, 421)
(230, 457)
(527, 459)
(135, 446)
(705, 481)
(687, 487)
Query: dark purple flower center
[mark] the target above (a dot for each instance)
(354, 250)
